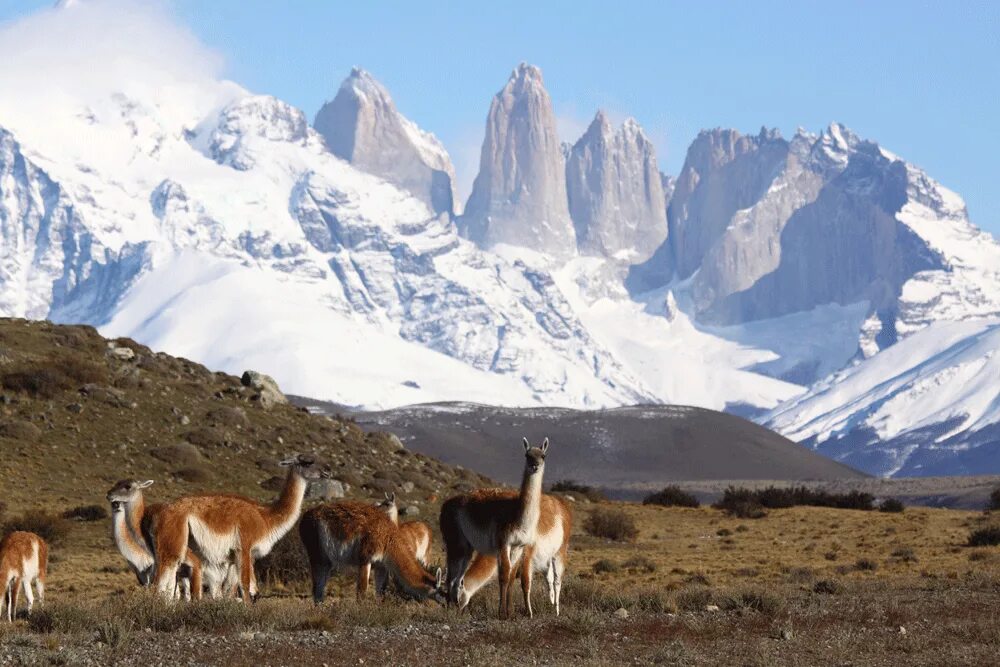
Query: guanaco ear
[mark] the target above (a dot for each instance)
(545, 445)
(439, 578)
(290, 461)
(527, 445)
(391, 497)
(143, 485)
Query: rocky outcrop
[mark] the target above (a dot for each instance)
(774, 226)
(519, 195)
(362, 125)
(268, 392)
(615, 192)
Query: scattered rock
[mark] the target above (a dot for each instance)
(180, 454)
(902, 630)
(394, 440)
(621, 612)
(326, 489)
(75, 408)
(268, 392)
(786, 634)
(570, 499)
(113, 397)
(185, 420)
(122, 353)
(411, 510)
(19, 430)
(407, 487)
(711, 607)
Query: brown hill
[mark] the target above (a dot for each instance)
(621, 449)
(78, 412)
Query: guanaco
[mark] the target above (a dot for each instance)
(548, 554)
(416, 536)
(131, 521)
(356, 534)
(220, 526)
(493, 522)
(24, 558)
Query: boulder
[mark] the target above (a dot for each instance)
(267, 391)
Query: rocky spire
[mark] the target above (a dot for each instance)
(519, 196)
(615, 193)
(362, 125)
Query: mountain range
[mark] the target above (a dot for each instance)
(819, 284)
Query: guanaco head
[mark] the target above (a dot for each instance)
(534, 457)
(125, 491)
(440, 593)
(389, 506)
(463, 594)
(306, 466)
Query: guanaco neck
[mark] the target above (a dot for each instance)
(287, 507)
(128, 533)
(530, 499)
(415, 580)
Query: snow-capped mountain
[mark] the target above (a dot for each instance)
(615, 192)
(822, 278)
(362, 125)
(930, 404)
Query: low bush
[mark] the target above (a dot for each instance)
(194, 474)
(612, 524)
(671, 496)
(604, 565)
(575, 488)
(904, 554)
(87, 513)
(286, 564)
(892, 505)
(736, 500)
(640, 563)
(50, 527)
(985, 537)
(865, 565)
(828, 587)
(993, 504)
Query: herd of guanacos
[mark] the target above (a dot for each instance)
(212, 540)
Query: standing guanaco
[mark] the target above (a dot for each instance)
(548, 554)
(220, 526)
(492, 522)
(24, 558)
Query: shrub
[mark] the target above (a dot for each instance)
(742, 500)
(589, 492)
(611, 524)
(865, 565)
(50, 527)
(193, 474)
(905, 554)
(605, 565)
(287, 562)
(828, 587)
(993, 504)
(671, 496)
(640, 563)
(39, 382)
(891, 505)
(86, 513)
(758, 600)
(985, 537)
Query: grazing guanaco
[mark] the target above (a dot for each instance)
(493, 522)
(356, 534)
(416, 536)
(24, 558)
(548, 554)
(221, 527)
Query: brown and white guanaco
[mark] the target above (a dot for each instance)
(24, 559)
(548, 554)
(493, 522)
(224, 529)
(131, 522)
(416, 537)
(357, 534)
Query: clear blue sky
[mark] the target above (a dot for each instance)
(922, 78)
